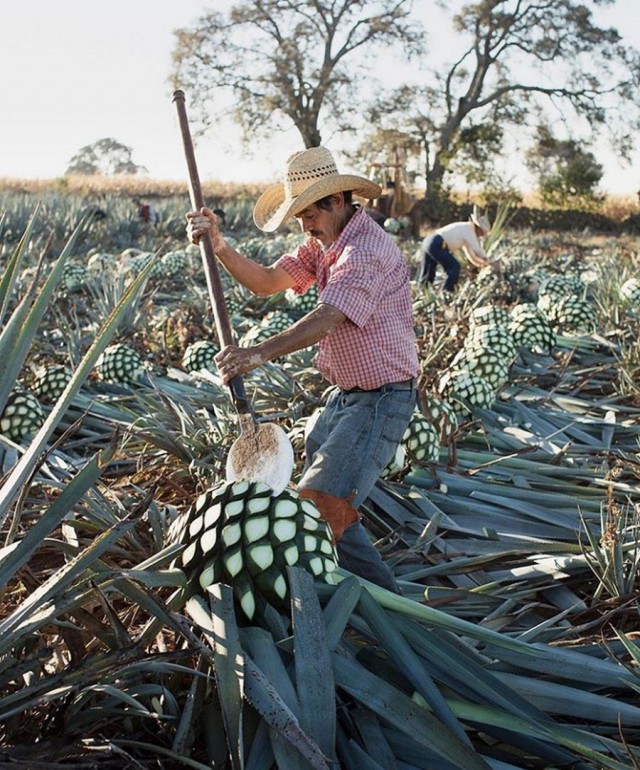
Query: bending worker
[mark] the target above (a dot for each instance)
(438, 247)
(363, 326)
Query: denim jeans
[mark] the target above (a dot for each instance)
(352, 440)
(434, 252)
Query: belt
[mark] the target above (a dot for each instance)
(404, 385)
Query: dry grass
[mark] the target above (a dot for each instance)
(616, 207)
(126, 185)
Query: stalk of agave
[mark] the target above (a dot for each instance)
(486, 362)
(630, 291)
(50, 381)
(273, 323)
(421, 440)
(301, 304)
(489, 314)
(490, 335)
(574, 314)
(22, 415)
(531, 329)
(173, 264)
(441, 415)
(74, 277)
(200, 355)
(100, 262)
(465, 390)
(136, 264)
(396, 464)
(557, 286)
(120, 364)
(241, 534)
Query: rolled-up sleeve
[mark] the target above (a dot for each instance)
(301, 266)
(355, 286)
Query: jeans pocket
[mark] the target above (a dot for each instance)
(394, 414)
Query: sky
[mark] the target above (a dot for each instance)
(75, 72)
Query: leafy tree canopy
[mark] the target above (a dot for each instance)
(106, 157)
(275, 63)
(515, 58)
(566, 173)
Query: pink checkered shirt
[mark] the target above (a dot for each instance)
(364, 275)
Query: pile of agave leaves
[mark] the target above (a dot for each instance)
(514, 645)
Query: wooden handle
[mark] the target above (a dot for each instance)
(214, 283)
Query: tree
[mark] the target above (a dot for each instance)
(106, 157)
(279, 63)
(515, 56)
(566, 173)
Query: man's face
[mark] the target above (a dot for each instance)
(323, 224)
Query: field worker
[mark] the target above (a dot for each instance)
(438, 247)
(147, 212)
(363, 324)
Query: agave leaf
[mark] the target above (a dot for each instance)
(14, 483)
(339, 608)
(178, 760)
(193, 705)
(22, 326)
(11, 270)
(260, 755)
(262, 648)
(312, 659)
(356, 758)
(374, 739)
(36, 610)
(221, 631)
(389, 637)
(265, 699)
(563, 664)
(577, 741)
(398, 709)
(22, 551)
(555, 698)
(263, 651)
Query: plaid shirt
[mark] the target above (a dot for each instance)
(364, 275)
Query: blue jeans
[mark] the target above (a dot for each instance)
(434, 252)
(353, 439)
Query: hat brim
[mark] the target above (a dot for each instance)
(273, 207)
(483, 225)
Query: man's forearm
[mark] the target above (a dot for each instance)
(259, 279)
(302, 334)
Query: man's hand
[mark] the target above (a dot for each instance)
(201, 222)
(233, 360)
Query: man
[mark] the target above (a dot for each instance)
(438, 247)
(363, 324)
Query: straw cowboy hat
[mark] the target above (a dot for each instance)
(480, 220)
(309, 176)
